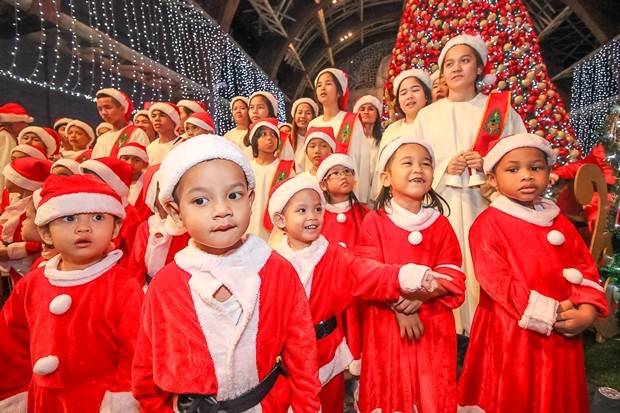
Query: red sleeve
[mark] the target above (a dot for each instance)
(136, 265)
(449, 261)
(596, 157)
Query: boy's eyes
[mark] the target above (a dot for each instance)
(235, 195)
(98, 217)
(68, 218)
(201, 201)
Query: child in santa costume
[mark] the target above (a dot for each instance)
(117, 174)
(105, 127)
(302, 112)
(155, 243)
(332, 91)
(30, 233)
(539, 290)
(224, 319)
(409, 227)
(83, 291)
(187, 108)
(269, 170)
(80, 137)
(166, 119)
(319, 143)
(199, 124)
(13, 118)
(20, 151)
(60, 127)
(331, 279)
(136, 156)
(115, 108)
(22, 177)
(65, 167)
(45, 139)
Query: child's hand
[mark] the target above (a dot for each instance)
(429, 282)
(4, 253)
(553, 178)
(474, 160)
(457, 165)
(410, 326)
(565, 306)
(407, 306)
(572, 322)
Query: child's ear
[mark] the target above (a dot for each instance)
(45, 234)
(323, 185)
(172, 208)
(117, 227)
(279, 221)
(492, 180)
(385, 180)
(251, 197)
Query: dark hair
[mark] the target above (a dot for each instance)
(247, 140)
(255, 136)
(479, 63)
(294, 131)
(428, 95)
(354, 203)
(175, 195)
(272, 113)
(377, 129)
(186, 110)
(339, 91)
(104, 95)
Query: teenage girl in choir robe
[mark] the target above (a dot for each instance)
(368, 109)
(239, 106)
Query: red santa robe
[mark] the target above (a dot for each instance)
(189, 343)
(341, 225)
(399, 375)
(126, 237)
(153, 248)
(80, 328)
(515, 362)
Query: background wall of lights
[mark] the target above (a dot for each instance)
(154, 51)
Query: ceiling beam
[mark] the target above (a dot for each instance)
(555, 23)
(589, 12)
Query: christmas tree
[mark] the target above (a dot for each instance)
(514, 54)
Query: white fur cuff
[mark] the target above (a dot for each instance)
(410, 277)
(15, 404)
(119, 402)
(540, 313)
(17, 250)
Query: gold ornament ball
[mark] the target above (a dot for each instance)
(483, 23)
(518, 100)
(508, 47)
(551, 93)
(532, 122)
(556, 151)
(570, 138)
(502, 84)
(574, 153)
(492, 16)
(526, 82)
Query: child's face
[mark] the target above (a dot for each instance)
(259, 108)
(368, 113)
(77, 137)
(267, 140)
(110, 110)
(326, 90)
(162, 122)
(18, 155)
(411, 97)
(144, 123)
(192, 130)
(61, 170)
(521, 175)
(137, 165)
(285, 129)
(214, 205)
(81, 239)
(460, 68)
(440, 89)
(12, 188)
(317, 149)
(339, 181)
(61, 131)
(29, 229)
(303, 115)
(33, 139)
(302, 218)
(103, 130)
(239, 111)
(409, 173)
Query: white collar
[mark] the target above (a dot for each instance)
(339, 207)
(409, 221)
(78, 277)
(543, 214)
(304, 261)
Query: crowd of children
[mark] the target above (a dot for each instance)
(159, 267)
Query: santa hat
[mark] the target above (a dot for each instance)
(32, 151)
(271, 123)
(150, 180)
(141, 112)
(13, 112)
(273, 101)
(134, 149)
(500, 147)
(367, 99)
(50, 138)
(194, 106)
(27, 173)
(281, 125)
(120, 97)
(333, 160)
(61, 121)
(435, 75)
(105, 125)
(388, 150)
(241, 98)
(421, 75)
(286, 190)
(112, 171)
(307, 101)
(169, 109)
(476, 43)
(70, 164)
(202, 120)
(84, 126)
(343, 80)
(77, 194)
(194, 151)
(325, 133)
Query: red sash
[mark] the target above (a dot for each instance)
(123, 139)
(283, 171)
(493, 121)
(343, 139)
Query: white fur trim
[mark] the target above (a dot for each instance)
(415, 238)
(193, 151)
(469, 409)
(107, 174)
(543, 215)
(333, 160)
(307, 101)
(84, 126)
(435, 76)
(46, 365)
(555, 237)
(389, 149)
(367, 99)
(60, 278)
(78, 203)
(338, 208)
(119, 402)
(141, 112)
(14, 117)
(540, 313)
(421, 75)
(574, 276)
(106, 125)
(131, 150)
(409, 221)
(451, 266)
(304, 261)
(410, 277)
(287, 190)
(191, 105)
(355, 367)
(60, 304)
(319, 135)
(340, 76)
(167, 110)
(151, 192)
(157, 247)
(241, 98)
(339, 363)
(200, 123)
(70, 164)
(273, 101)
(48, 140)
(474, 42)
(17, 403)
(512, 142)
(266, 123)
(30, 151)
(19, 180)
(17, 250)
(116, 95)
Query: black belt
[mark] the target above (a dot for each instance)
(324, 328)
(200, 403)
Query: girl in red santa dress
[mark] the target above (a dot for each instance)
(539, 291)
(320, 142)
(227, 323)
(331, 279)
(78, 315)
(416, 373)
